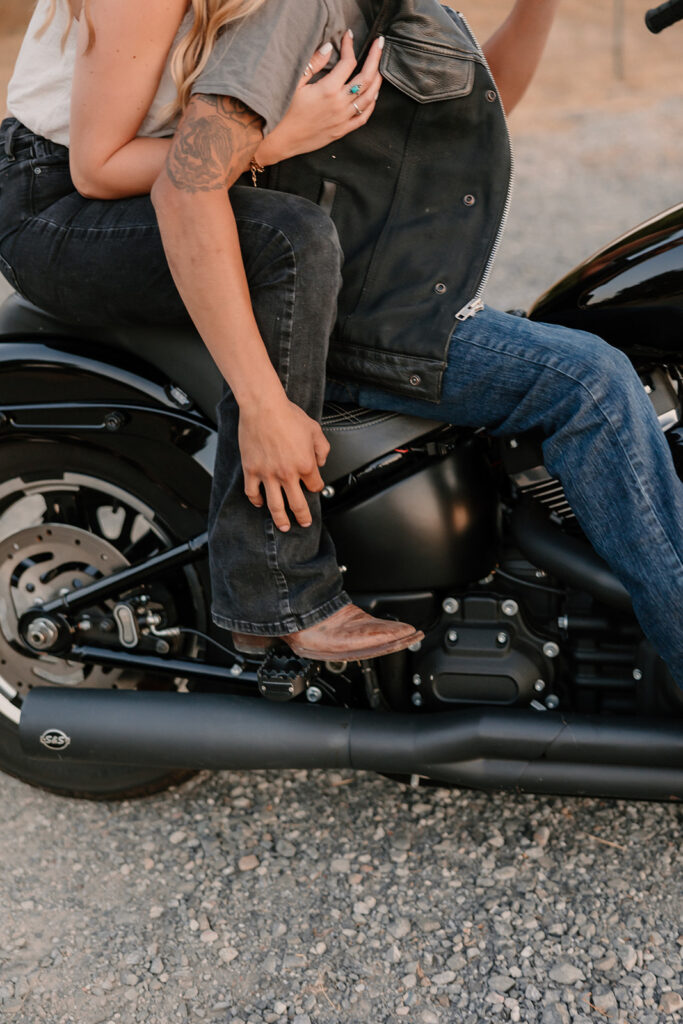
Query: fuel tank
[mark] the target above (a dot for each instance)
(630, 293)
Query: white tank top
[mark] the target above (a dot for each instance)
(39, 93)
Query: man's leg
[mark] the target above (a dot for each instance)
(602, 440)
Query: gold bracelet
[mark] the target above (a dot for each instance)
(256, 169)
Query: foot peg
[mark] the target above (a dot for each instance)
(282, 676)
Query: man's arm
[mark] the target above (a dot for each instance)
(515, 49)
(280, 445)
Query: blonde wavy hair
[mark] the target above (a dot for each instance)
(193, 50)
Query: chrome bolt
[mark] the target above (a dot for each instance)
(179, 396)
(162, 647)
(415, 647)
(343, 568)
(563, 622)
(84, 625)
(487, 579)
(514, 443)
(417, 700)
(42, 634)
(551, 650)
(328, 492)
(451, 605)
(539, 686)
(552, 701)
(540, 574)
(417, 679)
(236, 669)
(502, 639)
(314, 694)
(637, 674)
(509, 607)
(452, 636)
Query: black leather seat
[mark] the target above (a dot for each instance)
(357, 436)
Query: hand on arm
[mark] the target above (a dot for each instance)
(323, 111)
(280, 445)
(115, 81)
(515, 49)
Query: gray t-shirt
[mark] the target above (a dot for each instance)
(260, 58)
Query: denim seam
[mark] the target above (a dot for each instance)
(627, 460)
(283, 627)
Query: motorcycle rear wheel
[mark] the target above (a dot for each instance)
(44, 509)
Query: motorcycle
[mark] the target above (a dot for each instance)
(533, 675)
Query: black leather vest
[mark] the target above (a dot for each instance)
(418, 195)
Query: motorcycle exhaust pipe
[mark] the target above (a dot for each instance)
(486, 748)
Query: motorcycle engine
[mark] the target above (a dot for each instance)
(482, 652)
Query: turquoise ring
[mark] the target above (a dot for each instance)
(354, 90)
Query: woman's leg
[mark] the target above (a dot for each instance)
(602, 440)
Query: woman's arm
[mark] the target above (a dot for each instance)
(115, 81)
(515, 49)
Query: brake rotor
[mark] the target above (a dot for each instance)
(37, 565)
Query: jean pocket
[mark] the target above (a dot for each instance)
(8, 273)
(51, 180)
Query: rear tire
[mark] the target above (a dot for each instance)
(121, 507)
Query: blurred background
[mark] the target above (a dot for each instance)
(598, 137)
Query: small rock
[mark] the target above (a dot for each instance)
(444, 978)
(542, 835)
(501, 982)
(556, 1014)
(302, 1018)
(339, 865)
(284, 848)
(566, 973)
(248, 863)
(628, 957)
(604, 1001)
(228, 954)
(505, 874)
(661, 970)
(208, 936)
(400, 928)
(279, 1008)
(671, 1002)
(429, 1017)
(176, 837)
(156, 966)
(608, 963)
(155, 912)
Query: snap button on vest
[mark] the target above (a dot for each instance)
(491, 96)
(440, 288)
(415, 380)
(469, 200)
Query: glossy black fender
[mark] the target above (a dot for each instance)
(630, 293)
(58, 389)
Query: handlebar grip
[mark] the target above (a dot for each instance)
(666, 14)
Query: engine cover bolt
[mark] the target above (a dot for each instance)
(637, 674)
(452, 636)
(552, 701)
(328, 492)
(236, 669)
(539, 686)
(509, 607)
(414, 648)
(551, 650)
(417, 679)
(162, 647)
(417, 700)
(314, 694)
(502, 639)
(451, 605)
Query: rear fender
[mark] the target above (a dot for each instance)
(52, 389)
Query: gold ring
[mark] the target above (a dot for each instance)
(357, 108)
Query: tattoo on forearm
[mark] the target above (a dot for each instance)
(214, 143)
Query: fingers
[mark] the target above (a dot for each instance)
(321, 447)
(297, 503)
(371, 66)
(276, 505)
(318, 61)
(346, 63)
(252, 489)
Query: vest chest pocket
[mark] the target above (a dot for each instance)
(425, 72)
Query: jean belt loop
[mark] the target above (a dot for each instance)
(9, 140)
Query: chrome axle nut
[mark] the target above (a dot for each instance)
(42, 634)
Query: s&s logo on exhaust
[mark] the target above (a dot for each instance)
(55, 739)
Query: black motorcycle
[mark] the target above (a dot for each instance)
(533, 674)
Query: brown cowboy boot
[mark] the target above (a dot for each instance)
(348, 635)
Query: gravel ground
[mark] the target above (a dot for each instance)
(312, 897)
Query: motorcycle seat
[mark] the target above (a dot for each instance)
(357, 436)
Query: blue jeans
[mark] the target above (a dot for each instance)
(602, 441)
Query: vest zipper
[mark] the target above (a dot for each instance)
(476, 304)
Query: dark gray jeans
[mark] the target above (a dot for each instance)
(96, 262)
